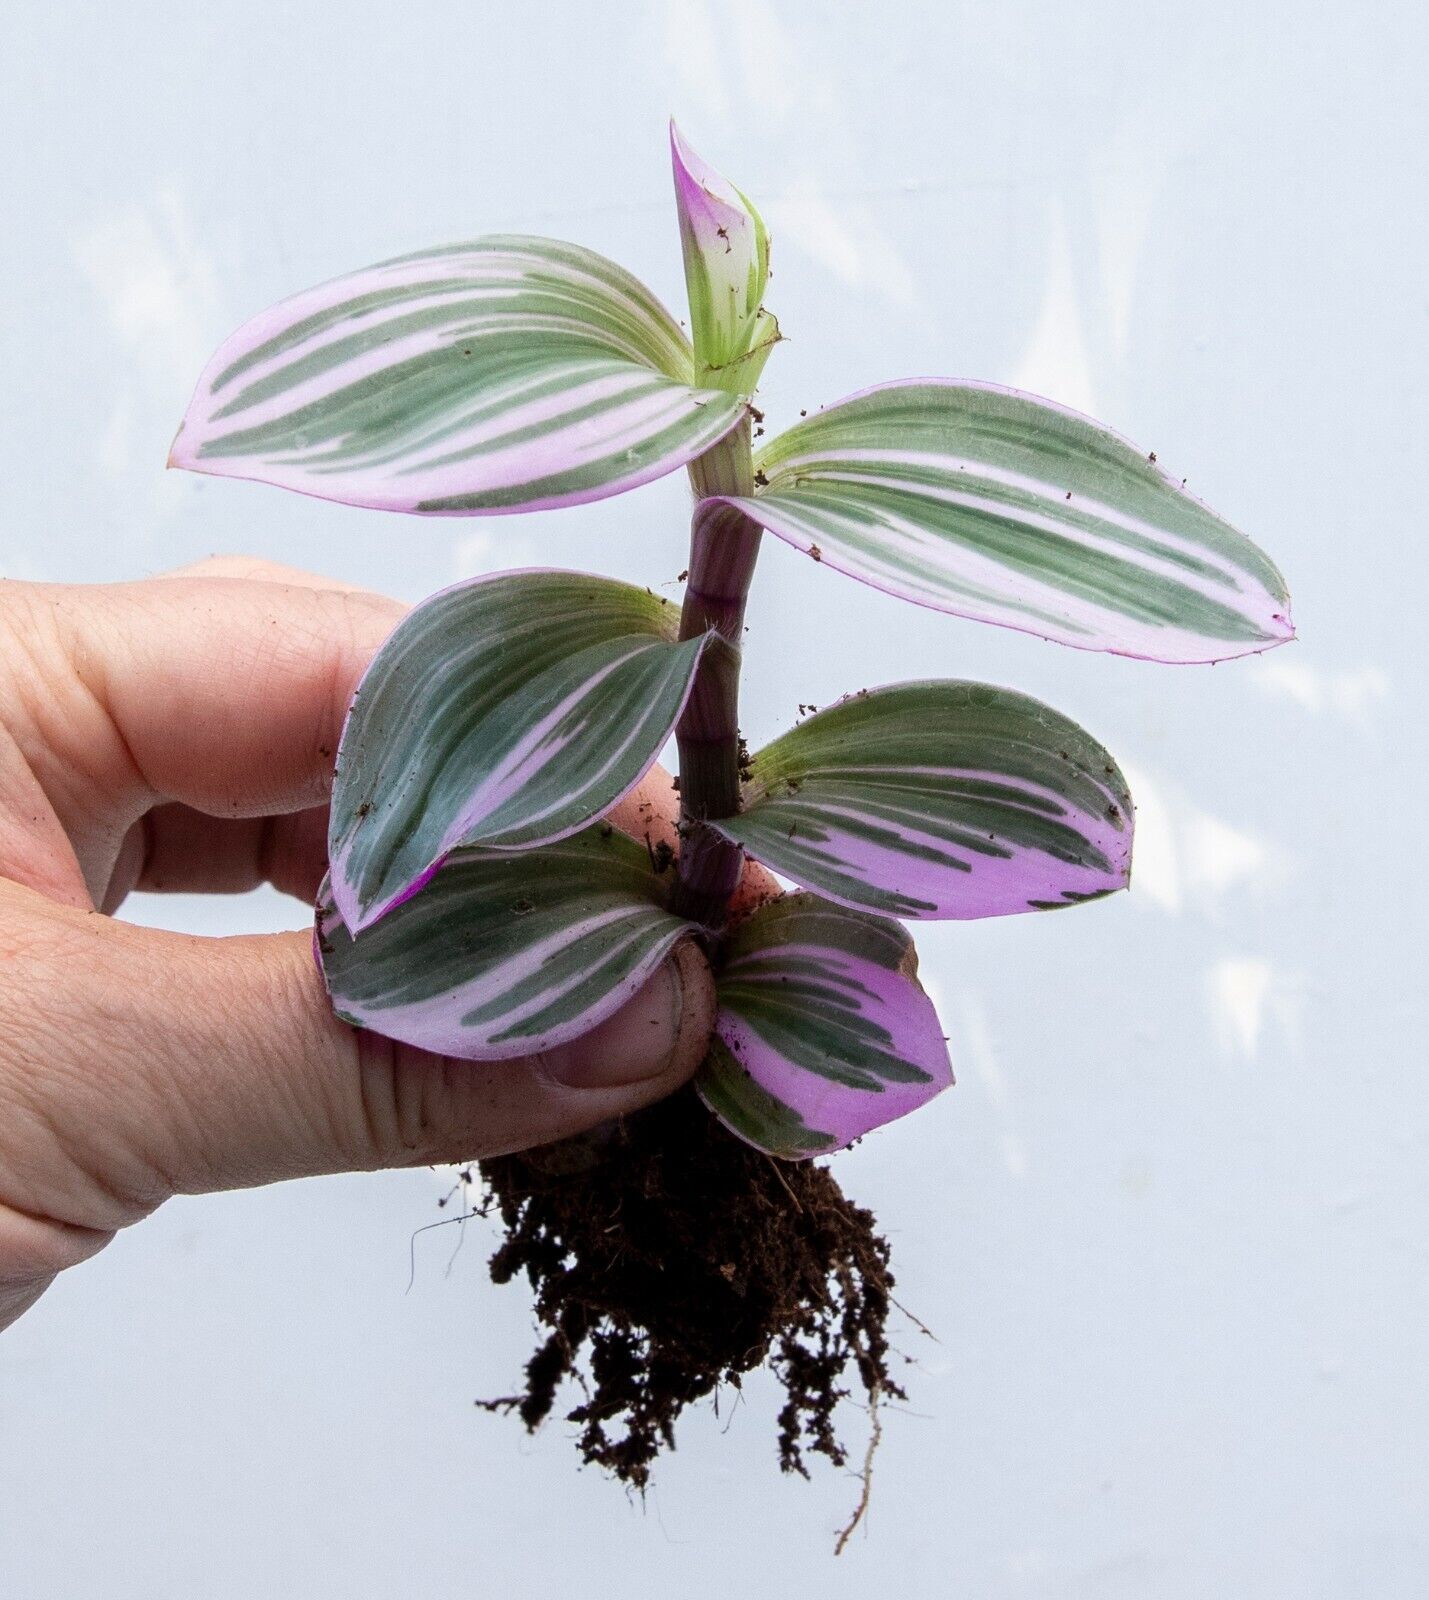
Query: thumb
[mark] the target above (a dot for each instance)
(273, 1086)
(160, 1063)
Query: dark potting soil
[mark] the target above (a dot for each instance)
(667, 1258)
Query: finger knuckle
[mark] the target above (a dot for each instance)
(412, 1107)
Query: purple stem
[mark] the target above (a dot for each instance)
(724, 545)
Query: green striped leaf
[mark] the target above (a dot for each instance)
(726, 250)
(940, 799)
(508, 374)
(506, 712)
(1002, 507)
(502, 955)
(823, 1031)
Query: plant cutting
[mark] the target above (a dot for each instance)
(480, 904)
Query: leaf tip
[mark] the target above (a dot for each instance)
(181, 455)
(690, 168)
(346, 902)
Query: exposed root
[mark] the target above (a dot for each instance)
(860, 1511)
(668, 1259)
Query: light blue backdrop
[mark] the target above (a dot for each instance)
(1170, 1227)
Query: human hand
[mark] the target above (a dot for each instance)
(178, 734)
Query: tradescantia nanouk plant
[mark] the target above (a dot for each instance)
(477, 903)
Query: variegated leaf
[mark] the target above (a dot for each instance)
(508, 374)
(823, 1031)
(1002, 507)
(506, 712)
(501, 955)
(940, 799)
(726, 251)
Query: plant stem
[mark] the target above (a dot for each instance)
(723, 550)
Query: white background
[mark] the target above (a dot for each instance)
(1170, 1227)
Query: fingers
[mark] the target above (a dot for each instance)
(226, 694)
(175, 849)
(757, 886)
(650, 813)
(221, 689)
(427, 1109)
(136, 1064)
(275, 1087)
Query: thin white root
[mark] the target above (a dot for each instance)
(875, 1436)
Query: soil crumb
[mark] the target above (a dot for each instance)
(667, 1258)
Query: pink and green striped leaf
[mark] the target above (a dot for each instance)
(509, 374)
(726, 252)
(940, 800)
(823, 1031)
(999, 506)
(501, 955)
(505, 713)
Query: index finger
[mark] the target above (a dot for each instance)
(226, 694)
(228, 686)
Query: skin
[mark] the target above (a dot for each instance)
(178, 734)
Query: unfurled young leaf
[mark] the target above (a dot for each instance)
(508, 374)
(506, 712)
(502, 955)
(823, 1031)
(1002, 507)
(726, 251)
(940, 799)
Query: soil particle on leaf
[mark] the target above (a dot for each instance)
(746, 761)
(667, 1259)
